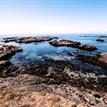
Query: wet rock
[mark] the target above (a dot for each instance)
(100, 40)
(8, 51)
(87, 47)
(93, 60)
(73, 44)
(5, 53)
(4, 63)
(39, 70)
(65, 43)
(28, 39)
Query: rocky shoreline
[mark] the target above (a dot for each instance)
(60, 81)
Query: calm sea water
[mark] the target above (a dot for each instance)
(39, 52)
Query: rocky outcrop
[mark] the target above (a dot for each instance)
(28, 39)
(100, 40)
(65, 43)
(101, 61)
(7, 51)
(73, 44)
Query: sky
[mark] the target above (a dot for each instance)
(53, 16)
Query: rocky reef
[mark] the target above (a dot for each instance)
(28, 39)
(73, 44)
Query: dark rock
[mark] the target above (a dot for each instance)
(97, 95)
(39, 70)
(92, 60)
(87, 47)
(5, 53)
(100, 40)
(8, 51)
(4, 63)
(102, 36)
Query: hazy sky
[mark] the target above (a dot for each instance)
(53, 16)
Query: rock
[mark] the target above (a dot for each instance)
(93, 60)
(87, 47)
(97, 96)
(100, 40)
(39, 70)
(102, 36)
(11, 39)
(36, 99)
(65, 43)
(28, 39)
(4, 63)
(103, 57)
(105, 100)
(5, 53)
(73, 44)
(8, 51)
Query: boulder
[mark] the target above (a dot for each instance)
(100, 40)
(103, 57)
